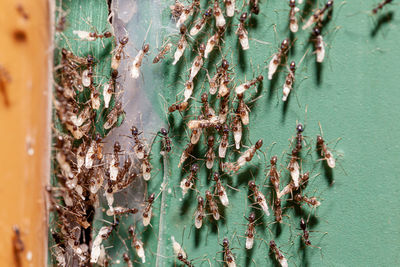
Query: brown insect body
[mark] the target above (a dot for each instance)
(162, 53)
(278, 254)
(118, 53)
(306, 233)
(228, 255)
(212, 205)
(381, 5)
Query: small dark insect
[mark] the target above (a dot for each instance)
(306, 233)
(277, 57)
(94, 152)
(319, 44)
(196, 133)
(245, 86)
(290, 187)
(118, 52)
(180, 106)
(223, 145)
(189, 84)
(250, 231)
(312, 201)
(255, 8)
(380, 6)
(278, 254)
(127, 259)
(162, 53)
(294, 166)
(210, 155)
(299, 137)
(185, 154)
(225, 64)
(208, 111)
(110, 229)
(176, 9)
(293, 25)
(147, 212)
(278, 210)
(221, 78)
(87, 74)
(224, 103)
(220, 21)
(91, 36)
(182, 43)
(137, 244)
(247, 156)
(237, 130)
(200, 23)
(242, 110)
(259, 197)
(199, 214)
(228, 255)
(166, 139)
(288, 85)
(112, 117)
(184, 11)
(241, 32)
(230, 7)
(196, 66)
(318, 15)
(125, 211)
(220, 190)
(137, 62)
(325, 152)
(104, 35)
(146, 167)
(109, 88)
(224, 80)
(184, 260)
(212, 205)
(274, 175)
(188, 182)
(138, 148)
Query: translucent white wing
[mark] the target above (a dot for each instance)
(179, 51)
(84, 35)
(295, 173)
(214, 40)
(272, 67)
(330, 159)
(249, 242)
(96, 249)
(146, 220)
(230, 9)
(86, 81)
(140, 251)
(107, 95)
(177, 248)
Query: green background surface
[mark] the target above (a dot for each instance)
(354, 94)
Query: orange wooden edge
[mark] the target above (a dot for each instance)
(25, 57)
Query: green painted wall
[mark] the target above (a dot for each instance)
(353, 94)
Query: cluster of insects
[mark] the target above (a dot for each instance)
(85, 174)
(222, 127)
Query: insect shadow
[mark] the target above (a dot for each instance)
(382, 20)
(328, 173)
